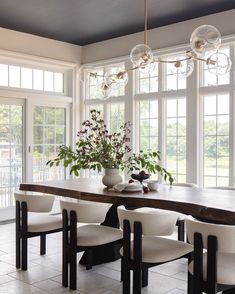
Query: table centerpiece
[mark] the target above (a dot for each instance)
(97, 149)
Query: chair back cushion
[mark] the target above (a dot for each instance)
(155, 223)
(87, 211)
(35, 202)
(225, 234)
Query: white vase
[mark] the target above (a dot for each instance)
(111, 177)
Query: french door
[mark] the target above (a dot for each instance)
(30, 135)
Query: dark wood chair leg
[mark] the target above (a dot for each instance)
(125, 263)
(24, 240)
(65, 260)
(18, 239)
(73, 251)
(73, 270)
(137, 259)
(198, 264)
(121, 269)
(181, 230)
(190, 284)
(89, 254)
(24, 253)
(211, 265)
(42, 244)
(190, 277)
(145, 274)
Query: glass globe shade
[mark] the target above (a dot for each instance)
(219, 63)
(205, 38)
(182, 69)
(106, 90)
(141, 55)
(120, 78)
(148, 68)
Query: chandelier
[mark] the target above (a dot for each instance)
(205, 42)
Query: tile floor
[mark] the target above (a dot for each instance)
(44, 272)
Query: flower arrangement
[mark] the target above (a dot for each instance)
(96, 149)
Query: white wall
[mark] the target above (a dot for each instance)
(33, 45)
(162, 37)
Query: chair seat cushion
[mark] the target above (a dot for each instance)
(225, 268)
(159, 249)
(41, 222)
(180, 216)
(95, 235)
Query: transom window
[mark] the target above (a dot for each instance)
(31, 78)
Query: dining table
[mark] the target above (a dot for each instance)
(212, 205)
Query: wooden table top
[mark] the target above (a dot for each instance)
(209, 204)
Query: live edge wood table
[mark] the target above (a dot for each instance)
(208, 204)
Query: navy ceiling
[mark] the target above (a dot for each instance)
(83, 22)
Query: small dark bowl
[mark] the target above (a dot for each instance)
(139, 177)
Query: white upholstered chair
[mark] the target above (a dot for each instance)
(213, 270)
(147, 249)
(180, 216)
(83, 238)
(38, 223)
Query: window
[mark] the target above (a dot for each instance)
(172, 80)
(148, 125)
(28, 78)
(176, 137)
(156, 104)
(209, 79)
(116, 117)
(48, 134)
(148, 81)
(11, 151)
(216, 140)
(94, 82)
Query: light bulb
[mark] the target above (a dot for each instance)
(219, 63)
(205, 38)
(141, 55)
(182, 69)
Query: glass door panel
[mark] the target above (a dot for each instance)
(11, 151)
(49, 132)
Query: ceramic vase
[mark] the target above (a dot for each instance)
(111, 177)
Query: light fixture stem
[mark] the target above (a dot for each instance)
(145, 21)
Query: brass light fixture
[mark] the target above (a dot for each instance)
(205, 38)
